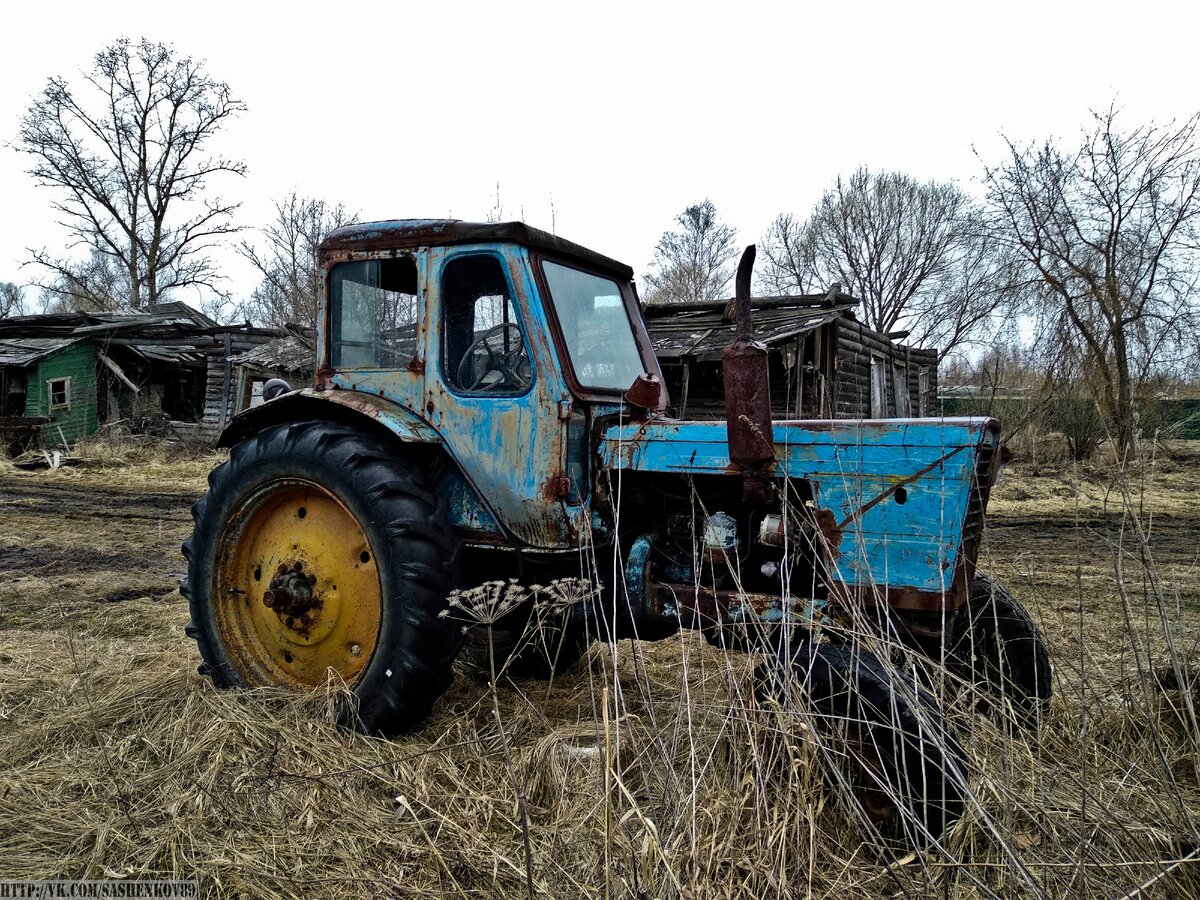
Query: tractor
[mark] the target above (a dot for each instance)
(487, 404)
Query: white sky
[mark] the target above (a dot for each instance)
(619, 113)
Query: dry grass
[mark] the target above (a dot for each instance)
(646, 772)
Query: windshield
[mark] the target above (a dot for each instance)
(596, 327)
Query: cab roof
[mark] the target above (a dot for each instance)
(401, 234)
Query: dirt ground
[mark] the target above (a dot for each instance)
(118, 761)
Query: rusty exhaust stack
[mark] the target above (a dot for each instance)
(747, 391)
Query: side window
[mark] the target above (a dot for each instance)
(373, 306)
(483, 341)
(60, 393)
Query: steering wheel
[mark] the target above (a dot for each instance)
(508, 365)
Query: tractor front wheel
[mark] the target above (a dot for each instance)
(998, 646)
(886, 738)
(318, 554)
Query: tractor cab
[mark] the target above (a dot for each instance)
(505, 342)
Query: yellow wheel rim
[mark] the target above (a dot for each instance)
(296, 589)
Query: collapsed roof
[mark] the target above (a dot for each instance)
(22, 352)
(295, 352)
(166, 332)
(702, 331)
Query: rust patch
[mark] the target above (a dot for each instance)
(744, 369)
(829, 530)
(909, 598)
(645, 393)
(556, 487)
(748, 405)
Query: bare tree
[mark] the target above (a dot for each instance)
(95, 284)
(915, 253)
(1109, 232)
(787, 266)
(128, 158)
(12, 300)
(693, 262)
(291, 284)
(982, 288)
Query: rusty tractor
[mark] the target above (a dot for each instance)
(486, 400)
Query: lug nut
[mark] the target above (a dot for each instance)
(312, 580)
(298, 566)
(282, 570)
(269, 599)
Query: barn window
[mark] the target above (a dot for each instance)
(60, 393)
(923, 390)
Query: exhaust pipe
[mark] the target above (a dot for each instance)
(747, 391)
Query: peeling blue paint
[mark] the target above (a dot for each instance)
(905, 540)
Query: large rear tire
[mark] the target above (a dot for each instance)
(900, 759)
(319, 554)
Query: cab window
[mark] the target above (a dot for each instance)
(484, 350)
(373, 306)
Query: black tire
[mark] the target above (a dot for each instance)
(899, 749)
(998, 646)
(923, 632)
(414, 548)
(525, 648)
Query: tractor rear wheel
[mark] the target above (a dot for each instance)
(318, 554)
(892, 745)
(998, 645)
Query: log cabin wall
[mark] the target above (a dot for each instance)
(218, 394)
(823, 363)
(879, 378)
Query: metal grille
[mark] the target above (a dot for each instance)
(973, 527)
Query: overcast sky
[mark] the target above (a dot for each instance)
(602, 121)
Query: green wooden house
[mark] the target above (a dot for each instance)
(50, 381)
(165, 369)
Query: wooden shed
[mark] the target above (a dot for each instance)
(823, 362)
(292, 357)
(46, 388)
(78, 371)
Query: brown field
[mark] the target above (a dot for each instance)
(119, 761)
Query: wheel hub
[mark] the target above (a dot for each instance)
(290, 594)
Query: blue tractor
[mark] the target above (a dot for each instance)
(486, 404)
